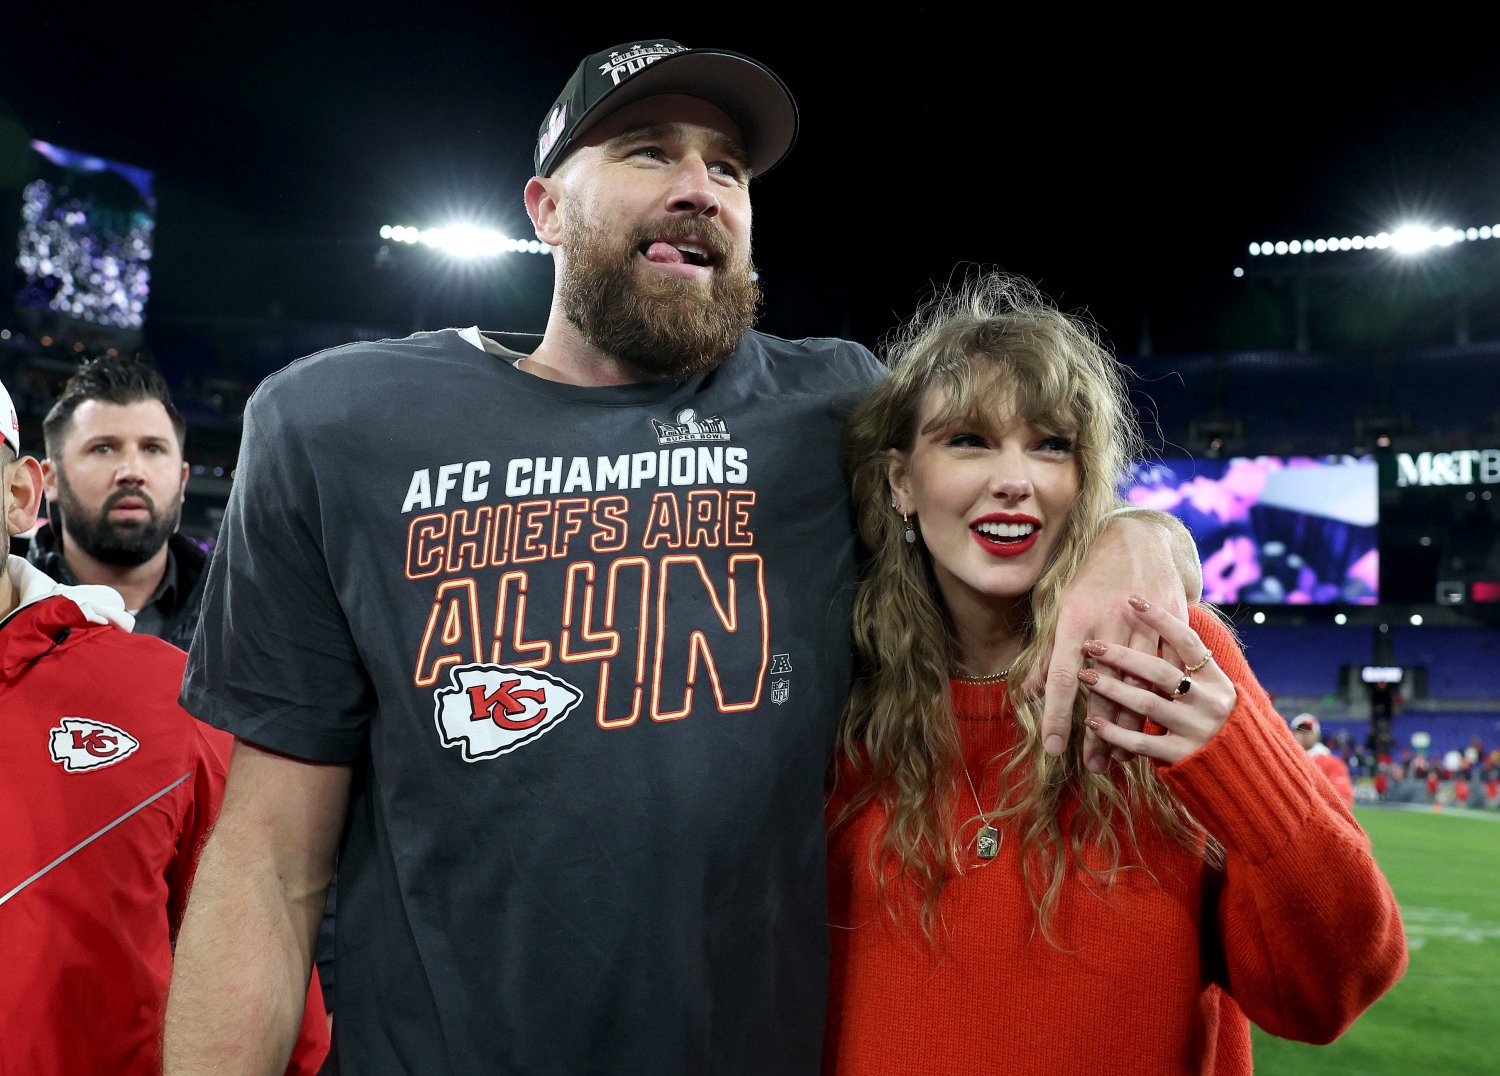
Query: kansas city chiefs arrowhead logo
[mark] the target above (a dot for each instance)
(82, 744)
(492, 709)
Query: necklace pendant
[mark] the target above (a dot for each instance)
(988, 842)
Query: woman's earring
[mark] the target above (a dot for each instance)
(911, 533)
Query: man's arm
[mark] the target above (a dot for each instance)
(1142, 552)
(244, 955)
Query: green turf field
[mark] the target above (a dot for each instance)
(1443, 1018)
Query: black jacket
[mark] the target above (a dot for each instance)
(179, 607)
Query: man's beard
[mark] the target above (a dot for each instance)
(126, 543)
(663, 326)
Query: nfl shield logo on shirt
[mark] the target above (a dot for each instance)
(79, 743)
(492, 709)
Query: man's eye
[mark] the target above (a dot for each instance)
(653, 153)
(727, 169)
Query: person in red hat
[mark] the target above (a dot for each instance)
(1309, 733)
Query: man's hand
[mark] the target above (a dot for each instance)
(1143, 552)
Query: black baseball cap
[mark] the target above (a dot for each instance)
(750, 94)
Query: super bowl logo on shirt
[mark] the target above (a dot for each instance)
(689, 427)
(79, 743)
(492, 709)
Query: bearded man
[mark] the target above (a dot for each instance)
(114, 480)
(546, 640)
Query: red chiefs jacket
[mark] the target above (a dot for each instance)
(107, 788)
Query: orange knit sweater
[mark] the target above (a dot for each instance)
(1155, 974)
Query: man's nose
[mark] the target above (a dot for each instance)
(693, 189)
(130, 468)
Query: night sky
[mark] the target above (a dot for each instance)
(1125, 166)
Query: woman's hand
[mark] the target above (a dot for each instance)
(1140, 553)
(1184, 691)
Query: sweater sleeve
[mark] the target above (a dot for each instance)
(1303, 930)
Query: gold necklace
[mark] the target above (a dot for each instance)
(992, 678)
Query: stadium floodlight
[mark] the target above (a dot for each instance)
(1408, 240)
(463, 240)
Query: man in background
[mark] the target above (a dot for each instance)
(1309, 733)
(108, 789)
(114, 479)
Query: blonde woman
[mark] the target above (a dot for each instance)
(998, 909)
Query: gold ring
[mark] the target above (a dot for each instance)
(1206, 659)
(1183, 688)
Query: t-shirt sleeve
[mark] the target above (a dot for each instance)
(274, 660)
(853, 372)
(866, 369)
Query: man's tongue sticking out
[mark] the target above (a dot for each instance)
(664, 253)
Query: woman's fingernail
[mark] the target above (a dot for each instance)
(1093, 723)
(1095, 647)
(1140, 603)
(1088, 676)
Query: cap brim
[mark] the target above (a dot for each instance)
(751, 95)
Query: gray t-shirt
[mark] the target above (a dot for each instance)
(585, 648)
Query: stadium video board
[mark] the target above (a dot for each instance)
(85, 242)
(1273, 530)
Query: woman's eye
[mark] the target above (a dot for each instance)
(966, 440)
(1056, 444)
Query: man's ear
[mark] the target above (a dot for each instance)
(23, 494)
(542, 206)
(898, 475)
(49, 480)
